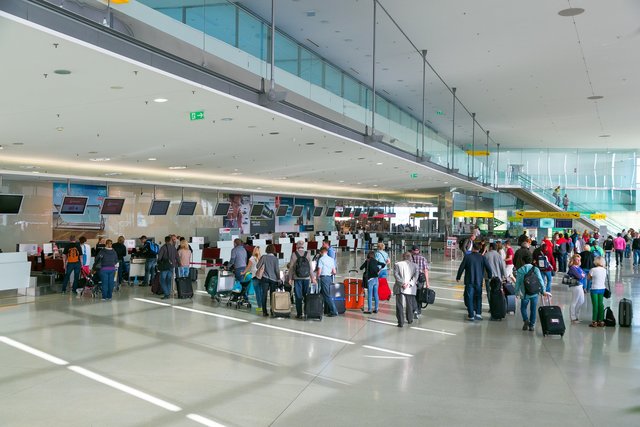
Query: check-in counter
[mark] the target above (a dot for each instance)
(14, 270)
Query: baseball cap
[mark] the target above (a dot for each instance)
(415, 248)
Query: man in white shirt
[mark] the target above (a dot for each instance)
(325, 271)
(86, 253)
(406, 274)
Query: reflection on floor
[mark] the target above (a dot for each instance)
(139, 361)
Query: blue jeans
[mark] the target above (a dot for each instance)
(300, 289)
(384, 273)
(72, 268)
(257, 290)
(238, 272)
(325, 289)
(372, 292)
(473, 298)
(627, 251)
(531, 319)
(546, 275)
(607, 257)
(636, 256)
(165, 282)
(183, 271)
(107, 277)
(586, 282)
(562, 261)
(150, 270)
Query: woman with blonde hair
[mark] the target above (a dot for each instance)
(577, 287)
(252, 267)
(184, 259)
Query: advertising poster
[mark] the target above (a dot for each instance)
(265, 223)
(238, 216)
(291, 224)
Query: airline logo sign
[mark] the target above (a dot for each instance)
(554, 215)
(598, 216)
(472, 214)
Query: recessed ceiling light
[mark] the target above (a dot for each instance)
(341, 181)
(311, 13)
(177, 167)
(35, 172)
(358, 183)
(112, 174)
(160, 100)
(29, 167)
(379, 164)
(252, 127)
(572, 11)
(258, 188)
(1, 147)
(92, 152)
(152, 159)
(605, 136)
(236, 173)
(227, 119)
(310, 143)
(116, 87)
(446, 182)
(62, 72)
(18, 143)
(59, 128)
(375, 185)
(595, 97)
(360, 158)
(338, 151)
(274, 133)
(99, 159)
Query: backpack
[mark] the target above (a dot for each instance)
(154, 248)
(543, 262)
(302, 267)
(462, 244)
(73, 255)
(563, 247)
(532, 284)
(608, 245)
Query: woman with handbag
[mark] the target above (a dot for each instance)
(252, 267)
(372, 268)
(268, 271)
(598, 276)
(578, 283)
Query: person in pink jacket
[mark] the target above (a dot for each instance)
(619, 245)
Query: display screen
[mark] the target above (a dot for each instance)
(72, 205)
(546, 222)
(297, 210)
(282, 210)
(357, 212)
(317, 211)
(159, 207)
(112, 206)
(564, 223)
(222, 209)
(187, 208)
(530, 223)
(10, 203)
(256, 210)
(346, 212)
(330, 211)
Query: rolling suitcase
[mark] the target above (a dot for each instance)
(354, 297)
(497, 300)
(337, 295)
(183, 285)
(193, 274)
(313, 305)
(511, 304)
(551, 319)
(281, 303)
(625, 312)
(384, 292)
(155, 284)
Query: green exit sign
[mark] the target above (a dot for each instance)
(414, 175)
(440, 113)
(196, 115)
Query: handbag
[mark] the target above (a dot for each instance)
(607, 290)
(260, 272)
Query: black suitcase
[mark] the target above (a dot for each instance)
(155, 284)
(193, 274)
(185, 290)
(625, 312)
(313, 306)
(497, 300)
(337, 295)
(551, 319)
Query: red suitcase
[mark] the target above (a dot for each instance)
(354, 293)
(384, 292)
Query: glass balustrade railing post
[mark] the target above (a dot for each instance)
(495, 184)
(473, 145)
(486, 166)
(373, 69)
(424, 97)
(453, 131)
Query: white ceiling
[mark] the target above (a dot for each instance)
(62, 121)
(518, 65)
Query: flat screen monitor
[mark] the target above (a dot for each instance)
(222, 209)
(10, 204)
(112, 206)
(159, 207)
(357, 212)
(547, 222)
(330, 211)
(73, 205)
(317, 211)
(346, 212)
(187, 208)
(564, 223)
(282, 210)
(530, 223)
(297, 210)
(371, 213)
(256, 210)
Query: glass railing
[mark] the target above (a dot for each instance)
(412, 109)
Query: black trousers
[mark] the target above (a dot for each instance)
(619, 256)
(405, 304)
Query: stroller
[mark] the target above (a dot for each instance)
(240, 292)
(87, 286)
(222, 284)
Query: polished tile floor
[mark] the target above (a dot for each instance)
(70, 361)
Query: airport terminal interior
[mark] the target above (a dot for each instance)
(311, 213)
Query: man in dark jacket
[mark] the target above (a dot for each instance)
(121, 251)
(167, 260)
(474, 266)
(523, 255)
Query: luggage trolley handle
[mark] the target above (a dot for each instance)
(546, 296)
